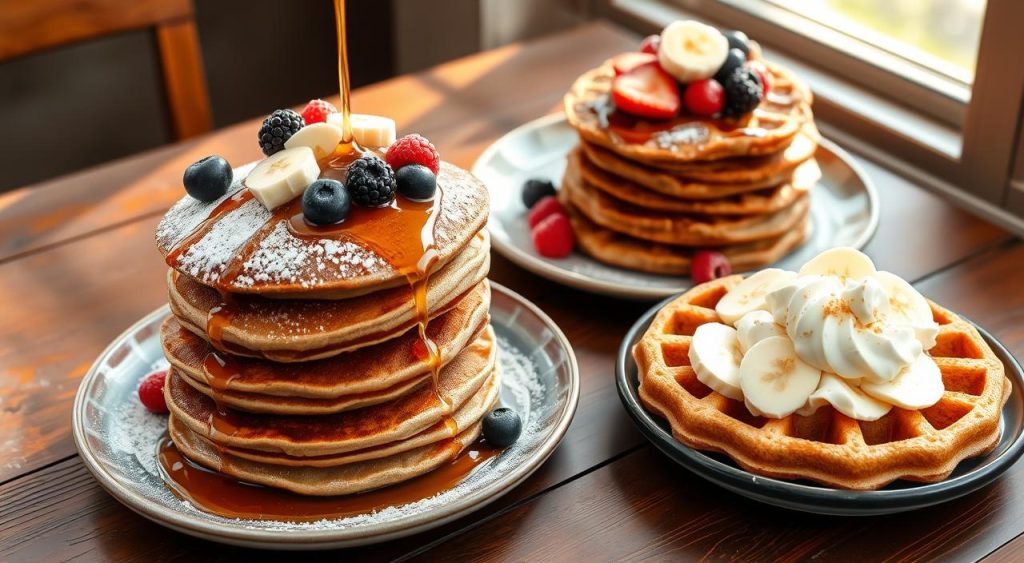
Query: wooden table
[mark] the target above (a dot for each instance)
(78, 265)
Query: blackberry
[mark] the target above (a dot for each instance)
(278, 128)
(371, 182)
(534, 189)
(743, 92)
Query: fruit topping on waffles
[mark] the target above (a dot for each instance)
(838, 373)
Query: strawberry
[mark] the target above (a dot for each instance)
(646, 91)
(151, 392)
(628, 61)
(547, 205)
(650, 44)
(553, 237)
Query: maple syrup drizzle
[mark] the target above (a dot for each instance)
(225, 496)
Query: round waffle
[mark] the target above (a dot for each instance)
(679, 229)
(580, 170)
(635, 254)
(827, 447)
(770, 128)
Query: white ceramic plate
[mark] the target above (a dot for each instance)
(117, 438)
(844, 209)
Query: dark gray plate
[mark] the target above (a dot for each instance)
(117, 437)
(969, 476)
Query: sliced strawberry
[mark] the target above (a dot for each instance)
(628, 61)
(647, 91)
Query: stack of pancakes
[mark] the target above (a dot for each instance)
(646, 195)
(297, 361)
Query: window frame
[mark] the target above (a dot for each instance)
(965, 147)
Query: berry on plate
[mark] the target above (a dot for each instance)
(371, 182)
(553, 236)
(628, 61)
(743, 92)
(647, 91)
(650, 44)
(547, 205)
(277, 128)
(738, 40)
(151, 392)
(326, 202)
(416, 182)
(709, 265)
(704, 97)
(502, 427)
(534, 189)
(208, 179)
(413, 149)
(316, 111)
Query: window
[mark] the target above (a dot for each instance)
(931, 88)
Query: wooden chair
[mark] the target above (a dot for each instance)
(28, 26)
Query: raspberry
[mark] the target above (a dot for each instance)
(547, 205)
(151, 392)
(371, 182)
(316, 111)
(704, 97)
(413, 149)
(553, 237)
(708, 265)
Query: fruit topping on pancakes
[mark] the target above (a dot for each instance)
(317, 111)
(208, 179)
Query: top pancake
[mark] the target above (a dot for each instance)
(266, 258)
(768, 129)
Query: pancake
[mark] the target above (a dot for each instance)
(678, 229)
(770, 128)
(711, 179)
(264, 257)
(301, 330)
(324, 481)
(627, 252)
(579, 169)
(466, 416)
(367, 370)
(343, 432)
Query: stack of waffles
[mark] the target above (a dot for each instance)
(328, 361)
(646, 194)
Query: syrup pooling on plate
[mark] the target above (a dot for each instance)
(223, 495)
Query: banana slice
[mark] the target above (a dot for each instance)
(754, 327)
(749, 294)
(843, 261)
(690, 50)
(774, 381)
(283, 176)
(919, 385)
(715, 357)
(370, 131)
(907, 306)
(846, 399)
(323, 138)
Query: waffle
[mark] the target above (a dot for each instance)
(769, 129)
(827, 447)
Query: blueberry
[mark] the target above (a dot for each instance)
(733, 60)
(535, 189)
(208, 179)
(416, 182)
(326, 202)
(502, 427)
(738, 40)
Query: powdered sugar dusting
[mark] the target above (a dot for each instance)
(188, 213)
(209, 256)
(283, 258)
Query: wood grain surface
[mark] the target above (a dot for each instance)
(78, 265)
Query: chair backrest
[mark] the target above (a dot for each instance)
(28, 26)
